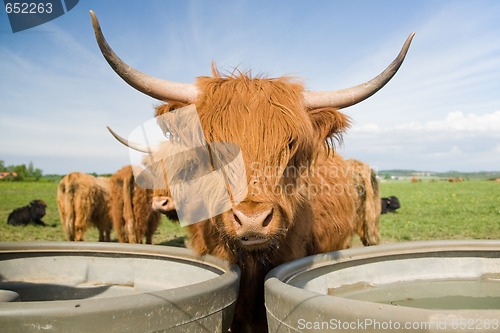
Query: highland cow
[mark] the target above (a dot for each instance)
(83, 201)
(130, 208)
(368, 202)
(31, 213)
(300, 200)
(456, 179)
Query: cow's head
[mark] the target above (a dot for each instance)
(37, 209)
(280, 127)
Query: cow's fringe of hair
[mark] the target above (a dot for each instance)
(272, 107)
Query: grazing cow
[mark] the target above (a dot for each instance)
(300, 200)
(83, 200)
(31, 213)
(130, 208)
(456, 179)
(367, 203)
(390, 205)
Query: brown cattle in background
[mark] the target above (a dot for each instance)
(456, 179)
(368, 204)
(130, 208)
(83, 200)
(300, 200)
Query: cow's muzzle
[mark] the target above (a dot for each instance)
(252, 227)
(163, 204)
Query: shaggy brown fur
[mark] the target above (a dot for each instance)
(290, 172)
(83, 200)
(130, 208)
(368, 204)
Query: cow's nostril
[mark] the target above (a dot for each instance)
(268, 219)
(237, 219)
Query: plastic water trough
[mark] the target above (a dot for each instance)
(435, 286)
(110, 287)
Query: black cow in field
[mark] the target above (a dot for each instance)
(30, 213)
(389, 205)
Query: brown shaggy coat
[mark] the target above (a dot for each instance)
(130, 208)
(368, 204)
(83, 200)
(291, 171)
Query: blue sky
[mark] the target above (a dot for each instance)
(440, 112)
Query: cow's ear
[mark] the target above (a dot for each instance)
(329, 123)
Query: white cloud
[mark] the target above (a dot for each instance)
(458, 121)
(453, 151)
(455, 121)
(457, 141)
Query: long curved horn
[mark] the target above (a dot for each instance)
(350, 96)
(136, 146)
(156, 88)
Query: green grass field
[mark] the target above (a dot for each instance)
(429, 211)
(442, 210)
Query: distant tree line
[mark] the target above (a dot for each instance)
(19, 172)
(387, 174)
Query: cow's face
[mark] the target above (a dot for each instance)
(279, 140)
(162, 200)
(393, 203)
